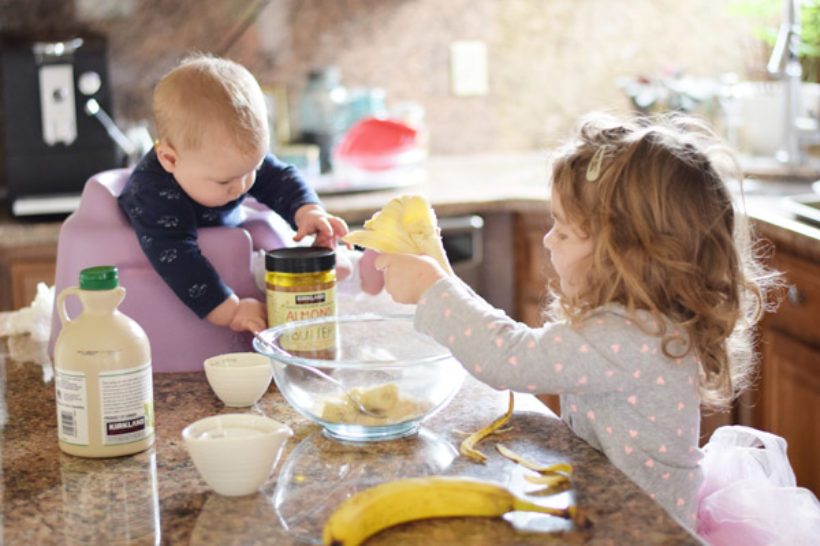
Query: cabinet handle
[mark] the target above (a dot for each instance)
(795, 295)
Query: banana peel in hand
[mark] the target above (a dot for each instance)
(406, 225)
(410, 499)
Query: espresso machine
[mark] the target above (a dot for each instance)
(55, 95)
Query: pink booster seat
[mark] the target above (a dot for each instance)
(99, 233)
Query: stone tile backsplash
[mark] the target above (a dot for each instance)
(549, 61)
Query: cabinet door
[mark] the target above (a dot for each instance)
(532, 272)
(24, 278)
(790, 394)
(532, 267)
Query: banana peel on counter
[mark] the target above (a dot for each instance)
(554, 477)
(406, 225)
(410, 499)
(467, 447)
(557, 468)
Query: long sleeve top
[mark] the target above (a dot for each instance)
(166, 221)
(618, 391)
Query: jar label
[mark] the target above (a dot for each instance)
(126, 405)
(286, 306)
(315, 341)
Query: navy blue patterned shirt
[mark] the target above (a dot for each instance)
(166, 221)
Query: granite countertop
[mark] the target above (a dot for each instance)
(156, 496)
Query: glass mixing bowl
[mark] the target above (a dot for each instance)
(400, 376)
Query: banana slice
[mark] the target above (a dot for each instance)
(406, 225)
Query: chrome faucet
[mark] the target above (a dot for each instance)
(785, 65)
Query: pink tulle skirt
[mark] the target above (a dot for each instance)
(749, 496)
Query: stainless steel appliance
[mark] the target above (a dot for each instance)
(51, 143)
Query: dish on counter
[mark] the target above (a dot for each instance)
(235, 453)
(400, 374)
(806, 206)
(352, 180)
(238, 379)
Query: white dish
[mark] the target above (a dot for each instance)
(805, 206)
(238, 379)
(235, 453)
(349, 179)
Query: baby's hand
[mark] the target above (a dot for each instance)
(314, 220)
(408, 276)
(251, 315)
(239, 315)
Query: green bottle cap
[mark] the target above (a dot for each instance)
(101, 277)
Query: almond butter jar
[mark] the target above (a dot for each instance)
(300, 284)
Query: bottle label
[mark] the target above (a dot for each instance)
(126, 405)
(72, 407)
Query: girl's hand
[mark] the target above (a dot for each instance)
(314, 220)
(372, 279)
(408, 276)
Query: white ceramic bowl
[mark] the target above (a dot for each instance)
(235, 453)
(238, 379)
(404, 375)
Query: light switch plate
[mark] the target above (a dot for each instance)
(468, 68)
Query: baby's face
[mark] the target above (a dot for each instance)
(216, 174)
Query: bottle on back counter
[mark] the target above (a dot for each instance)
(102, 372)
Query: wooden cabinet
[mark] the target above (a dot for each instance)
(786, 401)
(532, 273)
(24, 277)
(28, 253)
(532, 266)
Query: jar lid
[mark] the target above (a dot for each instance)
(101, 277)
(300, 259)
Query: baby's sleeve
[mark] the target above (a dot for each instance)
(165, 227)
(280, 187)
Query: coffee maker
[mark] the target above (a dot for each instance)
(52, 96)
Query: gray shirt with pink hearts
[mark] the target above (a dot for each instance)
(619, 391)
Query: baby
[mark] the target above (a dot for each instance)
(211, 153)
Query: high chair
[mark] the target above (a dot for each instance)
(99, 233)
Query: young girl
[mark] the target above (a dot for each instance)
(650, 319)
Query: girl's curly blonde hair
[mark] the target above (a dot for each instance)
(667, 240)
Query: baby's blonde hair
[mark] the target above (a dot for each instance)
(210, 97)
(666, 240)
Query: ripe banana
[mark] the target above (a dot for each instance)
(406, 225)
(377, 508)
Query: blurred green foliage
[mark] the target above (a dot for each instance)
(767, 14)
